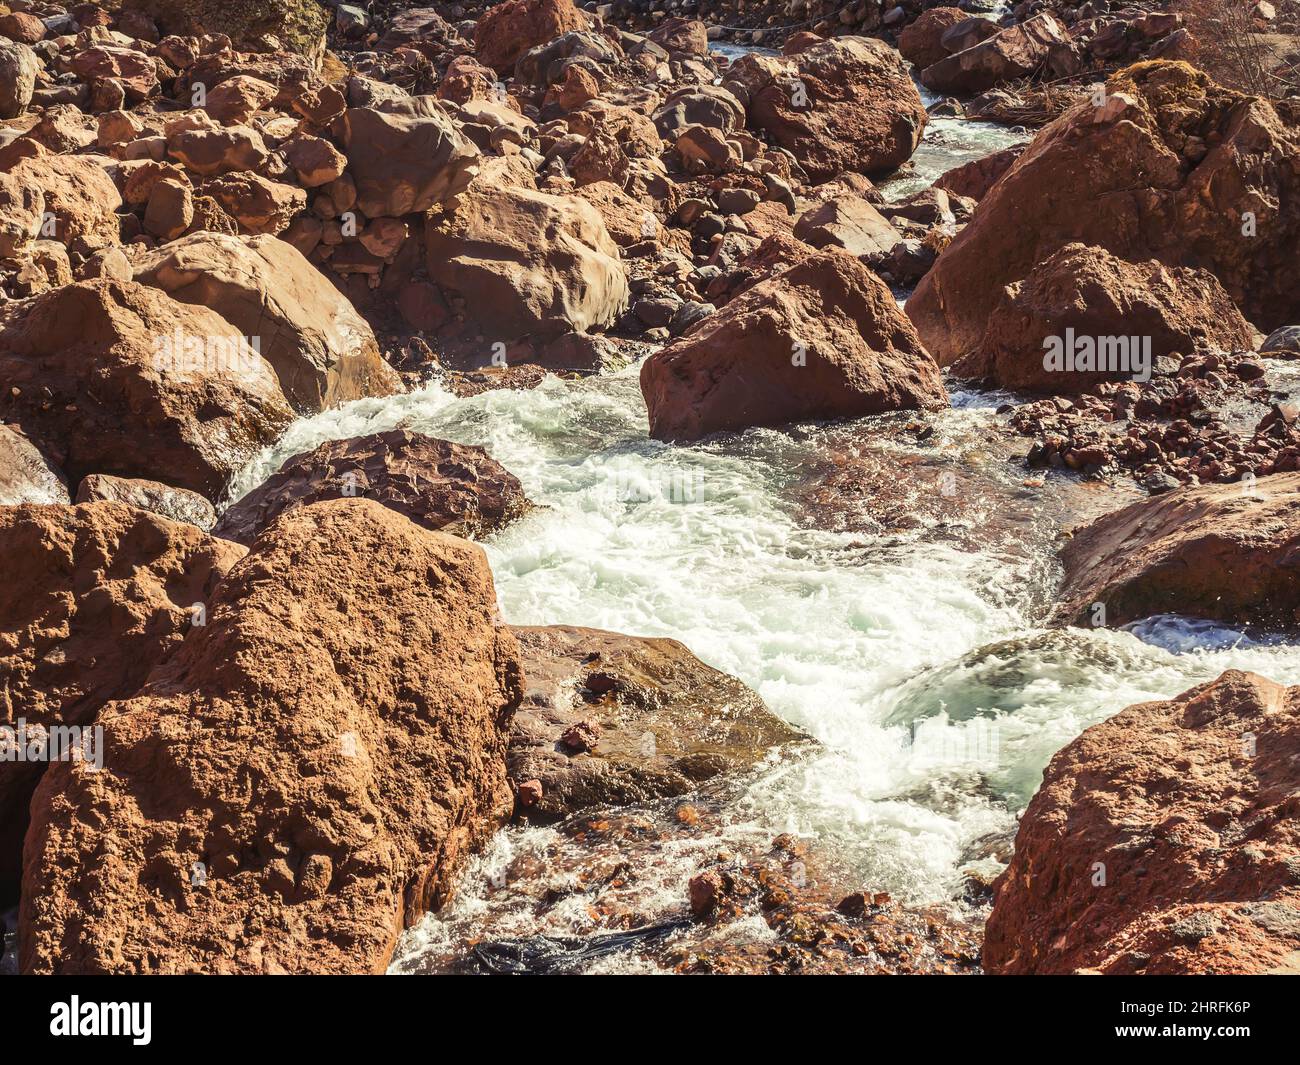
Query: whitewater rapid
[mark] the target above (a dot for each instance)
(916, 659)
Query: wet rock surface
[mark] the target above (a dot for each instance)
(437, 484)
(614, 720)
(1135, 856)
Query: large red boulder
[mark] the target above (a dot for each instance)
(919, 41)
(1230, 552)
(96, 595)
(843, 104)
(1084, 316)
(323, 352)
(1017, 52)
(1163, 841)
(507, 30)
(824, 339)
(1172, 168)
(299, 781)
(115, 377)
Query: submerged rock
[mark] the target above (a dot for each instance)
(1163, 841)
(655, 721)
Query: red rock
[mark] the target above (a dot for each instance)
(170, 210)
(449, 487)
(862, 112)
(260, 206)
(22, 212)
(93, 377)
(824, 339)
(919, 42)
(350, 672)
(1017, 52)
(1224, 551)
(81, 197)
(507, 30)
(96, 596)
(704, 891)
(847, 222)
(175, 504)
(975, 178)
(134, 71)
(238, 99)
(406, 157)
(530, 793)
(212, 149)
(22, 26)
(526, 264)
(1141, 311)
(1163, 841)
(315, 160)
(1113, 181)
(323, 352)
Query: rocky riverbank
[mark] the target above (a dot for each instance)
(381, 387)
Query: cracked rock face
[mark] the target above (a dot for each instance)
(1163, 840)
(301, 779)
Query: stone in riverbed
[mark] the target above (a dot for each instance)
(351, 673)
(1017, 52)
(654, 720)
(1162, 841)
(1113, 181)
(1152, 310)
(95, 377)
(1229, 552)
(323, 352)
(824, 339)
(176, 504)
(507, 30)
(842, 104)
(96, 595)
(454, 488)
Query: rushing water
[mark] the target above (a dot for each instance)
(861, 638)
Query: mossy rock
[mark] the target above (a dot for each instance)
(300, 25)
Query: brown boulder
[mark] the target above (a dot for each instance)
(454, 488)
(1119, 315)
(507, 30)
(27, 475)
(406, 156)
(526, 264)
(81, 197)
(919, 42)
(975, 178)
(176, 504)
(301, 780)
(298, 25)
(96, 596)
(209, 149)
(824, 339)
(237, 99)
(1017, 52)
(21, 26)
(847, 222)
(262, 207)
(1225, 551)
(114, 377)
(1131, 178)
(663, 722)
(22, 213)
(322, 350)
(843, 104)
(1163, 841)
